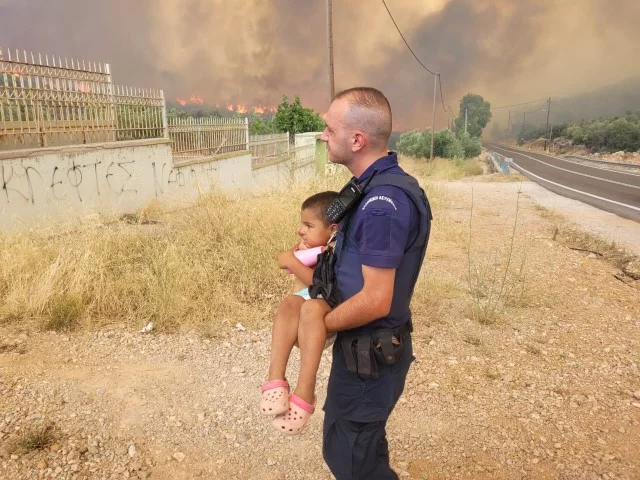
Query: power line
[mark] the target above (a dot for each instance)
(405, 41)
(441, 95)
(539, 108)
(519, 104)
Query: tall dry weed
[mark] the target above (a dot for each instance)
(497, 270)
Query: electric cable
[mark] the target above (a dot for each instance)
(405, 41)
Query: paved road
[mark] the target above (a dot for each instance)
(616, 192)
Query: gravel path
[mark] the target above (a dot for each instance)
(551, 391)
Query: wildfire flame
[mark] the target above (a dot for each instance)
(197, 100)
(83, 87)
(244, 108)
(181, 101)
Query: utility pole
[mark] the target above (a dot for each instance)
(546, 131)
(465, 120)
(433, 115)
(332, 89)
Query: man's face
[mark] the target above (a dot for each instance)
(336, 135)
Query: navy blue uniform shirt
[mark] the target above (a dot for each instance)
(384, 224)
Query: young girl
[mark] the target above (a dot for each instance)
(293, 410)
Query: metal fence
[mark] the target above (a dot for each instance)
(55, 101)
(207, 136)
(268, 148)
(303, 155)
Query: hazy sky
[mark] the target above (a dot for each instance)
(253, 51)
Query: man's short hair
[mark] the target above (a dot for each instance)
(319, 203)
(370, 112)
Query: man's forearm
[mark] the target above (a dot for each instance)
(356, 311)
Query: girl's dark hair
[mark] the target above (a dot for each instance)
(319, 203)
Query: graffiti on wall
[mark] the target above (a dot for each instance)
(33, 182)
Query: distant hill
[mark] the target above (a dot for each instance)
(610, 101)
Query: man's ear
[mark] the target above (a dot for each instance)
(333, 227)
(359, 140)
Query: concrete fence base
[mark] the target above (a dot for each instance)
(41, 187)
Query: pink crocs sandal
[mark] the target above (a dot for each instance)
(293, 421)
(275, 397)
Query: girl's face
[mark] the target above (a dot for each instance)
(312, 230)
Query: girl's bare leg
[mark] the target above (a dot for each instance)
(312, 335)
(284, 335)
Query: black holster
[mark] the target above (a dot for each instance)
(364, 353)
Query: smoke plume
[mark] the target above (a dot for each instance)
(252, 51)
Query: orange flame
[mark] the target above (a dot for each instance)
(230, 107)
(273, 109)
(241, 108)
(83, 87)
(197, 100)
(181, 101)
(259, 109)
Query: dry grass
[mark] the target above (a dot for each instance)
(212, 264)
(580, 240)
(442, 168)
(36, 438)
(64, 312)
(515, 177)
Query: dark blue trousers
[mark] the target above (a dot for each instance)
(356, 412)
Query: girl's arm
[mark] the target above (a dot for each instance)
(287, 260)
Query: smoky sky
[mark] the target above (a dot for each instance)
(254, 51)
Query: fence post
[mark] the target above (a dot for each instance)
(113, 118)
(165, 126)
(246, 131)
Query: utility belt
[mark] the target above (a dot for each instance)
(363, 353)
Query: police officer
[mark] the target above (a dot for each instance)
(379, 250)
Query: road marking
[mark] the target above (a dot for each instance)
(577, 191)
(567, 170)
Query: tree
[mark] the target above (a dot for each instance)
(478, 114)
(445, 145)
(294, 118)
(261, 125)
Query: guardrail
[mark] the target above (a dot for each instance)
(632, 167)
(499, 163)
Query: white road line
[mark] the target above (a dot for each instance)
(577, 191)
(570, 171)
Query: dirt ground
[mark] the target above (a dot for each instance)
(548, 390)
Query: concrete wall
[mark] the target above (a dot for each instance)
(58, 184)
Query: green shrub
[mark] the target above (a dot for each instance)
(470, 145)
(445, 145)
